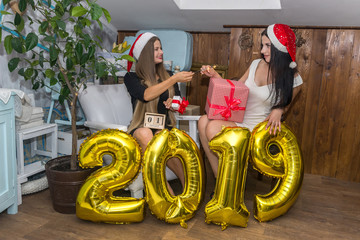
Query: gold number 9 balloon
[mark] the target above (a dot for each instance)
(286, 165)
(227, 206)
(163, 146)
(95, 200)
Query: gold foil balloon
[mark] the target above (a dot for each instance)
(227, 206)
(95, 201)
(165, 145)
(286, 165)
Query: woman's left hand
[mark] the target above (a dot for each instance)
(168, 103)
(274, 119)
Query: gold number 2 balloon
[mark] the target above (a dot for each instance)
(227, 206)
(95, 200)
(163, 146)
(286, 165)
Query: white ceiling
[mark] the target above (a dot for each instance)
(149, 14)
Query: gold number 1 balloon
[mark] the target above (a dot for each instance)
(227, 206)
(163, 146)
(95, 201)
(286, 165)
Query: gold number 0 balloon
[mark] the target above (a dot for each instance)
(95, 200)
(163, 146)
(286, 165)
(227, 206)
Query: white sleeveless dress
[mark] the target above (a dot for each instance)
(259, 102)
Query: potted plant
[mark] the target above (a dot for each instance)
(66, 57)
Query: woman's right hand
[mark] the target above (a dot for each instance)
(183, 76)
(209, 71)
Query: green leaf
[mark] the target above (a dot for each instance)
(53, 81)
(53, 23)
(43, 27)
(21, 72)
(22, 5)
(61, 24)
(66, 3)
(127, 57)
(17, 19)
(49, 39)
(21, 26)
(100, 69)
(61, 99)
(78, 11)
(34, 63)
(69, 64)
(13, 63)
(41, 59)
(78, 51)
(77, 29)
(29, 72)
(87, 40)
(63, 34)
(65, 91)
(61, 77)
(84, 58)
(100, 24)
(36, 73)
(0, 35)
(17, 45)
(53, 53)
(91, 51)
(95, 11)
(59, 10)
(5, 12)
(49, 73)
(6, 2)
(36, 85)
(87, 22)
(106, 14)
(31, 41)
(48, 3)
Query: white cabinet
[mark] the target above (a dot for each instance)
(8, 175)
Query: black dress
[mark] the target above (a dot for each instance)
(136, 91)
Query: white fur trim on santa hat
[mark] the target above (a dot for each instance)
(274, 40)
(141, 42)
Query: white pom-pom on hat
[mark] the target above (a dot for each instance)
(293, 65)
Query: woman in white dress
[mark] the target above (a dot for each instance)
(273, 82)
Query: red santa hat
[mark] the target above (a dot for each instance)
(138, 46)
(283, 38)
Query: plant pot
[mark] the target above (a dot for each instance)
(64, 184)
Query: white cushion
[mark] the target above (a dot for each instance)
(107, 104)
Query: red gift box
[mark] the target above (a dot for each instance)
(179, 104)
(226, 100)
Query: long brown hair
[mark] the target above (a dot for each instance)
(146, 70)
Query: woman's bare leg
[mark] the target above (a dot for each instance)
(176, 166)
(207, 130)
(143, 136)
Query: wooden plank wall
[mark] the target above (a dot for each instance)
(212, 49)
(325, 114)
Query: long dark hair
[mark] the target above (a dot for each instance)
(146, 70)
(282, 76)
